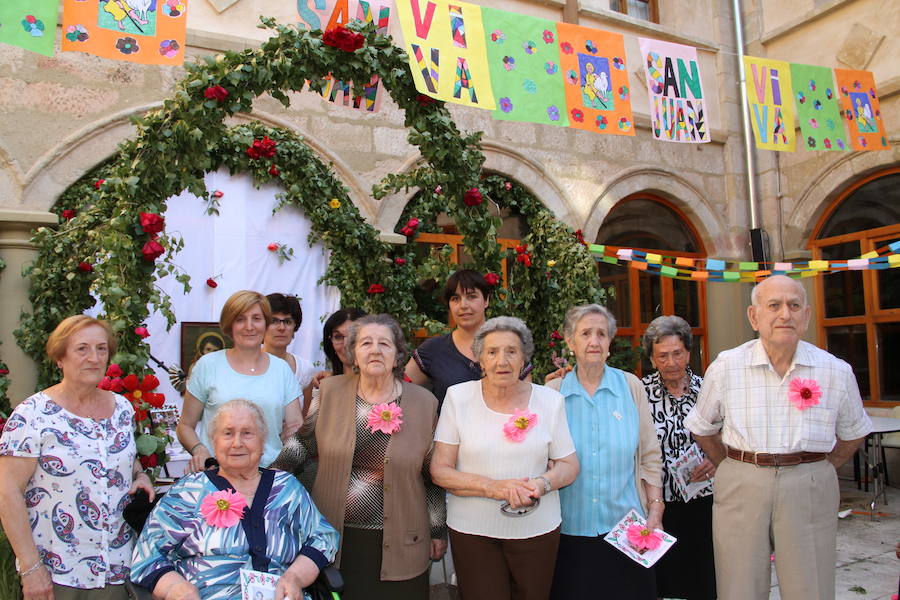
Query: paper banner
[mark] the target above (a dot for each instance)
(596, 80)
(817, 108)
(29, 24)
(523, 60)
(325, 15)
(678, 111)
(149, 32)
(445, 43)
(861, 109)
(770, 102)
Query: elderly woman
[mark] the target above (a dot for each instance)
(493, 443)
(621, 465)
(448, 359)
(210, 525)
(64, 520)
(373, 433)
(244, 371)
(687, 570)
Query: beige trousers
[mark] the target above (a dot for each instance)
(789, 510)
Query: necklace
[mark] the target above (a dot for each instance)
(375, 398)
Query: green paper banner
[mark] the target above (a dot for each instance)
(817, 108)
(29, 24)
(523, 60)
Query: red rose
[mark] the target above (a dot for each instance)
(376, 288)
(556, 335)
(114, 370)
(492, 279)
(407, 231)
(212, 283)
(343, 38)
(272, 247)
(264, 148)
(149, 462)
(218, 194)
(142, 332)
(105, 384)
(4, 371)
(400, 261)
(116, 385)
(68, 214)
(508, 186)
(413, 223)
(552, 344)
(273, 171)
(98, 183)
(522, 249)
(215, 92)
(152, 250)
(152, 223)
(438, 190)
(86, 267)
(472, 197)
(424, 100)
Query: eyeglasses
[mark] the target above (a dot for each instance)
(289, 322)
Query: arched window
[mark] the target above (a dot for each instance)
(858, 315)
(647, 222)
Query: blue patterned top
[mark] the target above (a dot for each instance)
(281, 524)
(79, 488)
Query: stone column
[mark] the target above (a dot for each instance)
(17, 251)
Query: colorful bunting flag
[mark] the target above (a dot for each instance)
(326, 15)
(596, 79)
(861, 109)
(29, 24)
(817, 108)
(149, 32)
(678, 111)
(523, 60)
(446, 48)
(770, 102)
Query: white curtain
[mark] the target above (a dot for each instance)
(233, 246)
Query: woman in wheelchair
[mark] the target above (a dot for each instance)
(212, 524)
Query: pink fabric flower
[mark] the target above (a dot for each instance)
(386, 418)
(642, 537)
(223, 508)
(804, 393)
(520, 423)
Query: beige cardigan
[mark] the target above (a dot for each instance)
(648, 459)
(407, 534)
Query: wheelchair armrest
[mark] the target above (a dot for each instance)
(331, 578)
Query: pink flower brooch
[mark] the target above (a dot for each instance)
(642, 538)
(520, 423)
(804, 393)
(224, 508)
(386, 418)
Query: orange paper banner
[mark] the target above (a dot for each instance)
(861, 109)
(593, 67)
(140, 31)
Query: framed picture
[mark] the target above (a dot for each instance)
(199, 338)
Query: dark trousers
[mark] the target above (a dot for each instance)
(499, 569)
(590, 567)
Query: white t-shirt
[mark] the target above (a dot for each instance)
(304, 371)
(484, 449)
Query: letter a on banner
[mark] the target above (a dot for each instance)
(29, 24)
(770, 102)
(678, 110)
(446, 48)
(861, 109)
(139, 31)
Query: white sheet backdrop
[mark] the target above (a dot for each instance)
(233, 245)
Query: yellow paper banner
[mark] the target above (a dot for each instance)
(770, 102)
(445, 43)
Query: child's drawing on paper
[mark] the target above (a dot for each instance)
(596, 91)
(130, 16)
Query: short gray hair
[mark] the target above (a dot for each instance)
(236, 404)
(662, 327)
(511, 324)
(399, 340)
(577, 313)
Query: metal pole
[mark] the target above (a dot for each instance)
(745, 116)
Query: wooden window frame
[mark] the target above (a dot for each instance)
(652, 5)
(869, 240)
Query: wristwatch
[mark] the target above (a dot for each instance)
(547, 485)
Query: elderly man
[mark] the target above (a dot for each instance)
(778, 416)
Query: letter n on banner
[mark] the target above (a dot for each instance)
(446, 48)
(861, 109)
(678, 110)
(770, 102)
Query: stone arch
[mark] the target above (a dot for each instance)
(82, 150)
(501, 159)
(827, 185)
(671, 187)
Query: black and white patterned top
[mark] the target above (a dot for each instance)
(668, 415)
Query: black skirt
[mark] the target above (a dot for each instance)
(361, 570)
(590, 567)
(688, 570)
